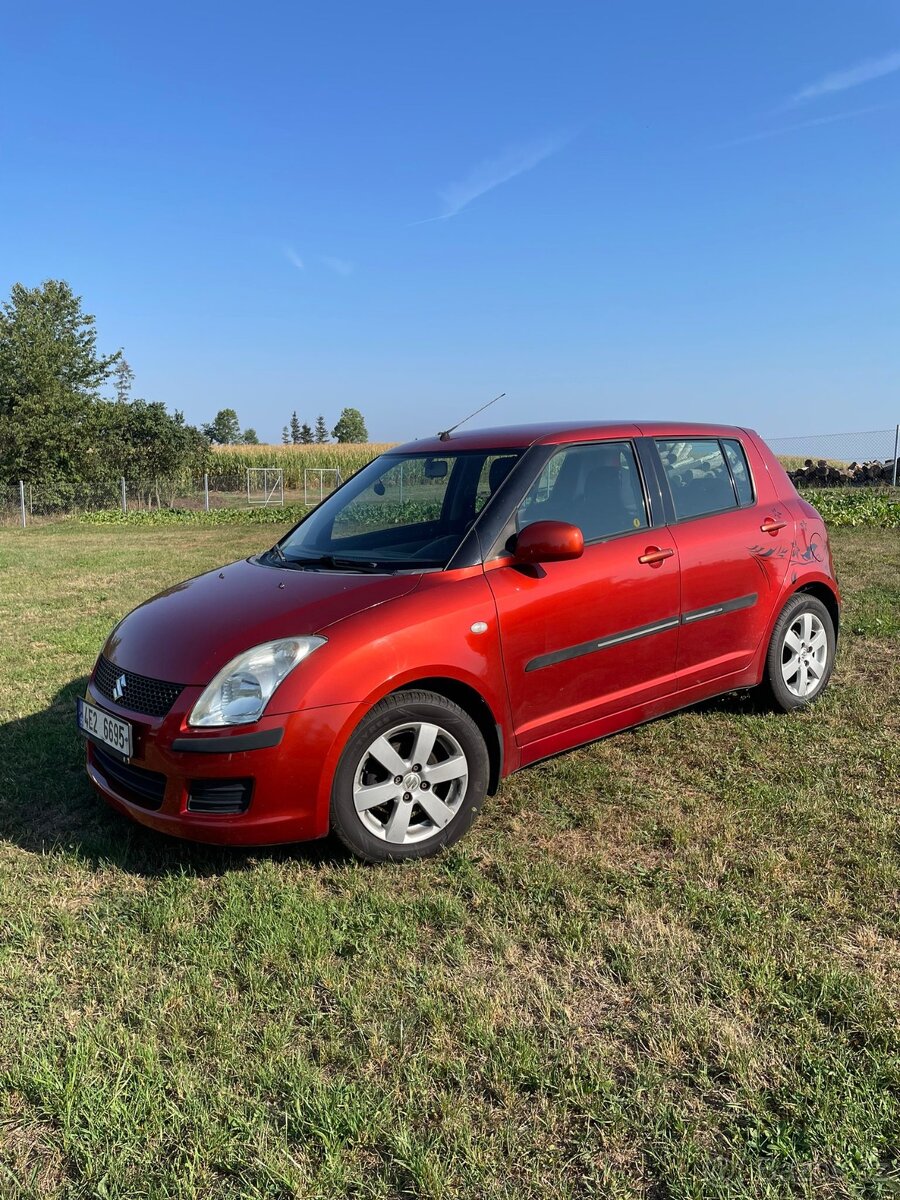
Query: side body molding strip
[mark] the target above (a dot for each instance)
(639, 631)
(627, 635)
(716, 610)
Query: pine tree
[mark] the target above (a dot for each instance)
(295, 428)
(285, 436)
(124, 377)
(321, 430)
(306, 434)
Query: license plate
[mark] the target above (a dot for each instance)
(104, 727)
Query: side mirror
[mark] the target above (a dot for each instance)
(549, 541)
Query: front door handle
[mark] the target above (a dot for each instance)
(654, 557)
(770, 525)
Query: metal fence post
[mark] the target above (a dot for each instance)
(896, 448)
(124, 501)
(22, 500)
(206, 490)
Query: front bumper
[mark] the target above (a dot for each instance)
(289, 771)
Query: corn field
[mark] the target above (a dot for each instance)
(229, 463)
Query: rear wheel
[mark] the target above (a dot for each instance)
(800, 658)
(411, 779)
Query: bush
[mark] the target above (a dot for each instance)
(289, 515)
(858, 507)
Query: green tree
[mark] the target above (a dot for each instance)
(53, 425)
(285, 436)
(249, 437)
(156, 448)
(224, 428)
(48, 343)
(321, 434)
(55, 430)
(306, 434)
(295, 428)
(350, 427)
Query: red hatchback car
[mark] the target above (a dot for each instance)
(460, 608)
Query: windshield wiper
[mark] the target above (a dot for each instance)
(278, 552)
(333, 563)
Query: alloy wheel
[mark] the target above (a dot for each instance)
(410, 782)
(804, 655)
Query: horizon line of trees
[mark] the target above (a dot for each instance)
(225, 430)
(350, 427)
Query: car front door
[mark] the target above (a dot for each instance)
(597, 635)
(734, 542)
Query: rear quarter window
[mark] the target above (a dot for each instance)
(740, 472)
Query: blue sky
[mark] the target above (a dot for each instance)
(603, 209)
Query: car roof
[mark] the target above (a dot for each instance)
(508, 437)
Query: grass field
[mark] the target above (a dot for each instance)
(663, 966)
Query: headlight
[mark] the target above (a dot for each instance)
(240, 692)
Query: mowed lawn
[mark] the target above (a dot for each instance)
(667, 965)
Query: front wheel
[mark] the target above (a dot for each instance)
(800, 658)
(411, 780)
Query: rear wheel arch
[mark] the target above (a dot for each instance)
(471, 701)
(823, 593)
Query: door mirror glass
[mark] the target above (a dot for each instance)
(549, 541)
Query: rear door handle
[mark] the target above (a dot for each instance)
(770, 525)
(654, 557)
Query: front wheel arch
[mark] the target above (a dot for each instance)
(380, 808)
(474, 704)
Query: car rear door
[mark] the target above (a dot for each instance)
(734, 543)
(589, 637)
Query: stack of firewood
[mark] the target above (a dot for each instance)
(825, 474)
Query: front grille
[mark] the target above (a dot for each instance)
(150, 696)
(147, 788)
(221, 796)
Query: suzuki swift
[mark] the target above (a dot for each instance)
(462, 607)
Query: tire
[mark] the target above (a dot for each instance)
(384, 811)
(800, 657)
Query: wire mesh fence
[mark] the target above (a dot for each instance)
(38, 501)
(867, 459)
(864, 459)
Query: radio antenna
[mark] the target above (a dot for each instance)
(444, 435)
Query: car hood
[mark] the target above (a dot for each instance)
(190, 631)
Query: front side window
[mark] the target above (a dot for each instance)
(595, 486)
(698, 476)
(401, 511)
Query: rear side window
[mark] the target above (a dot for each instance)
(594, 485)
(698, 476)
(737, 460)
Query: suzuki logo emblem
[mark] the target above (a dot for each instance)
(119, 689)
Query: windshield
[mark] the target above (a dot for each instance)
(401, 511)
